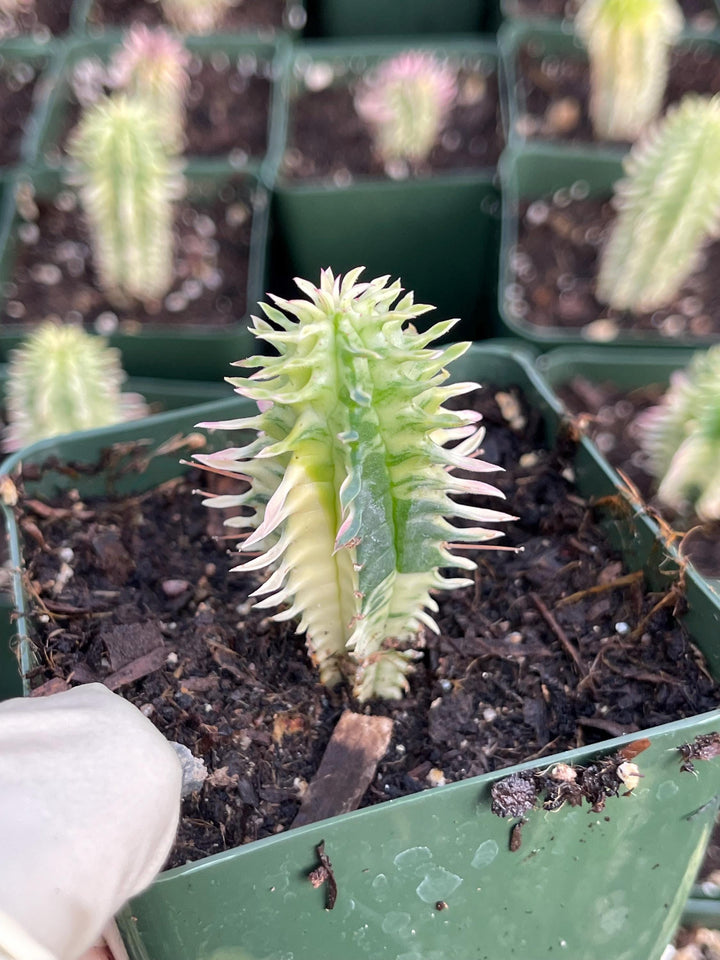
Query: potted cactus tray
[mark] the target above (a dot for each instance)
(556, 287)
(701, 15)
(429, 215)
(437, 874)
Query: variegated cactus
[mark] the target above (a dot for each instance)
(127, 182)
(152, 65)
(682, 438)
(196, 16)
(668, 207)
(62, 379)
(350, 475)
(405, 102)
(629, 44)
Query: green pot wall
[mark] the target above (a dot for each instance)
(439, 234)
(379, 18)
(538, 170)
(270, 56)
(44, 58)
(583, 886)
(198, 353)
(555, 39)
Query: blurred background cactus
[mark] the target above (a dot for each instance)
(668, 207)
(62, 379)
(350, 476)
(153, 65)
(405, 102)
(629, 43)
(196, 16)
(682, 438)
(127, 182)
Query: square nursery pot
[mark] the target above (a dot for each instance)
(27, 76)
(432, 876)
(375, 18)
(701, 15)
(438, 232)
(556, 205)
(545, 81)
(232, 274)
(40, 21)
(628, 371)
(263, 19)
(234, 109)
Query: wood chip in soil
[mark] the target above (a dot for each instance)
(494, 688)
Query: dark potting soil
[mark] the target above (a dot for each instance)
(699, 14)
(227, 110)
(327, 139)
(54, 275)
(555, 266)
(114, 581)
(18, 81)
(246, 16)
(40, 19)
(556, 90)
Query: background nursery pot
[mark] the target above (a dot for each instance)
(199, 351)
(343, 18)
(535, 287)
(702, 15)
(431, 876)
(27, 75)
(439, 232)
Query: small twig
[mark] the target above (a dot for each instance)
(559, 633)
(623, 581)
(670, 597)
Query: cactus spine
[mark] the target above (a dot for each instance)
(629, 43)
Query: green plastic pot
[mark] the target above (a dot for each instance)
(271, 55)
(197, 353)
(439, 233)
(555, 39)
(430, 877)
(43, 57)
(376, 18)
(536, 171)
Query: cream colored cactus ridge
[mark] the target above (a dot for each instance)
(350, 476)
(62, 379)
(629, 44)
(196, 16)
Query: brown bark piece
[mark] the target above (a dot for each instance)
(136, 669)
(47, 689)
(347, 768)
(112, 557)
(128, 642)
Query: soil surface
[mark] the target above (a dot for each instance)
(327, 139)
(549, 649)
(54, 274)
(556, 90)
(227, 110)
(555, 265)
(17, 85)
(41, 19)
(700, 14)
(265, 16)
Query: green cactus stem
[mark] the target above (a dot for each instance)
(350, 476)
(62, 379)
(668, 207)
(127, 183)
(629, 44)
(196, 16)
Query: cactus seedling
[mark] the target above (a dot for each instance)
(667, 208)
(62, 379)
(682, 438)
(406, 101)
(629, 44)
(152, 65)
(196, 16)
(127, 186)
(350, 476)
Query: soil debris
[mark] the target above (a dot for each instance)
(324, 874)
(706, 746)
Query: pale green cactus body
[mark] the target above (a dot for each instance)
(668, 207)
(406, 101)
(196, 16)
(350, 478)
(682, 437)
(629, 44)
(152, 65)
(62, 379)
(127, 182)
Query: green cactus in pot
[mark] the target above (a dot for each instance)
(60, 380)
(629, 44)
(351, 477)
